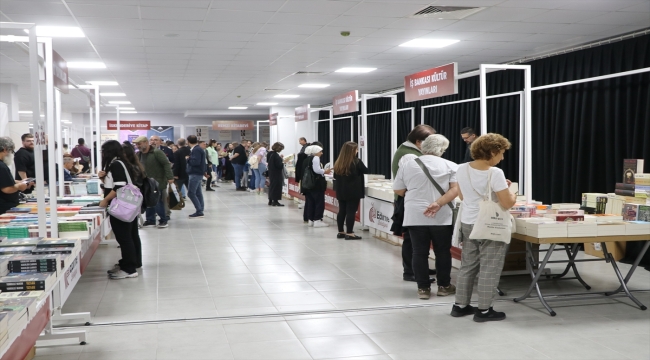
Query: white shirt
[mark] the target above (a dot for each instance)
(472, 181)
(315, 164)
(420, 192)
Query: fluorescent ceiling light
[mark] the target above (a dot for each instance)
(26, 112)
(66, 121)
(119, 102)
(266, 103)
(314, 86)
(112, 94)
(86, 65)
(128, 112)
(429, 43)
(358, 70)
(103, 83)
(238, 107)
(286, 96)
(127, 108)
(58, 31)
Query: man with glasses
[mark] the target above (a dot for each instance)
(24, 160)
(156, 142)
(469, 135)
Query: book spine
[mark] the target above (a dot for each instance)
(624, 192)
(622, 186)
(45, 246)
(23, 286)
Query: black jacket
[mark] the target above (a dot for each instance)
(180, 163)
(351, 187)
(468, 155)
(299, 168)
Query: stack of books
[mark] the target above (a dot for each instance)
(27, 282)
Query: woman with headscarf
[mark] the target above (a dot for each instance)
(276, 174)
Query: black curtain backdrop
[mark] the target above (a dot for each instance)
(403, 126)
(324, 135)
(341, 134)
(379, 145)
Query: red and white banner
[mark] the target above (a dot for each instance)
(302, 113)
(378, 214)
(427, 84)
(129, 124)
(233, 125)
(273, 119)
(346, 103)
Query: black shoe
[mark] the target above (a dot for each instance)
(352, 237)
(339, 235)
(490, 315)
(209, 190)
(270, 203)
(457, 311)
(241, 189)
(275, 203)
(148, 223)
(432, 271)
(412, 278)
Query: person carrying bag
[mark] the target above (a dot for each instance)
(175, 201)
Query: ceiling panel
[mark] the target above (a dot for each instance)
(172, 13)
(620, 17)
(229, 16)
(301, 19)
(565, 16)
(318, 6)
(390, 10)
(22, 7)
(108, 23)
(105, 11)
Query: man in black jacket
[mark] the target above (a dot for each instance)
(469, 135)
(180, 166)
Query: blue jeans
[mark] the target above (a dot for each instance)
(239, 170)
(260, 180)
(195, 193)
(251, 183)
(159, 208)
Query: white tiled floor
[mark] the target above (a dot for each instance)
(246, 258)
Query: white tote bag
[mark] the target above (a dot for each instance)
(493, 221)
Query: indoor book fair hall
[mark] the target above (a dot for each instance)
(324, 179)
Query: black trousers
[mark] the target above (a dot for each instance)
(347, 210)
(316, 205)
(209, 182)
(127, 236)
(422, 237)
(407, 253)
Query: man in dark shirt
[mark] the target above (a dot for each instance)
(239, 161)
(9, 187)
(24, 160)
(469, 135)
(180, 166)
(303, 143)
(82, 152)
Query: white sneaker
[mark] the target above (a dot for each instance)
(310, 223)
(320, 223)
(300, 206)
(123, 275)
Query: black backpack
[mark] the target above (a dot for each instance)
(150, 193)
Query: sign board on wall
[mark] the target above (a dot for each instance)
(302, 113)
(129, 125)
(202, 132)
(427, 84)
(163, 132)
(346, 103)
(60, 72)
(273, 119)
(225, 135)
(377, 214)
(232, 125)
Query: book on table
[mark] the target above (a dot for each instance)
(631, 167)
(16, 250)
(630, 212)
(20, 242)
(643, 213)
(34, 263)
(27, 282)
(15, 310)
(642, 179)
(22, 294)
(53, 250)
(51, 243)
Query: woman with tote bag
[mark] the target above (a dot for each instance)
(480, 256)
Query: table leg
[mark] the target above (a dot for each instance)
(634, 266)
(535, 276)
(572, 256)
(620, 276)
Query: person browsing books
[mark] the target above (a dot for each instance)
(468, 135)
(9, 187)
(349, 186)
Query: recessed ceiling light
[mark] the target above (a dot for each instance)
(238, 107)
(127, 108)
(429, 43)
(86, 65)
(355, 70)
(58, 31)
(171, 35)
(266, 103)
(103, 83)
(286, 96)
(66, 121)
(26, 112)
(119, 102)
(112, 94)
(128, 112)
(314, 86)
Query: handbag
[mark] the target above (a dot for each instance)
(253, 161)
(454, 209)
(174, 200)
(308, 181)
(493, 221)
(128, 202)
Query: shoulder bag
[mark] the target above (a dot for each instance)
(493, 221)
(454, 209)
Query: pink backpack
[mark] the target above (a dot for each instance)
(128, 202)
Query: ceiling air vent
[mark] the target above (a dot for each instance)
(446, 12)
(276, 89)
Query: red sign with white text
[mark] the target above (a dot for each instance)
(273, 119)
(427, 84)
(59, 72)
(129, 124)
(346, 103)
(302, 113)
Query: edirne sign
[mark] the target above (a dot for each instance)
(346, 103)
(427, 84)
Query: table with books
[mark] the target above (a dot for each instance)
(564, 230)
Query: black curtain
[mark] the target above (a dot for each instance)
(341, 134)
(403, 125)
(324, 135)
(379, 145)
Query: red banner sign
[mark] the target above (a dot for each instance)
(302, 113)
(60, 72)
(129, 124)
(427, 84)
(346, 103)
(233, 125)
(273, 119)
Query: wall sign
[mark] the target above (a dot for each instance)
(346, 103)
(202, 133)
(233, 125)
(129, 124)
(225, 135)
(60, 72)
(302, 113)
(427, 84)
(273, 119)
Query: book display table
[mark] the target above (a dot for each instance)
(570, 245)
